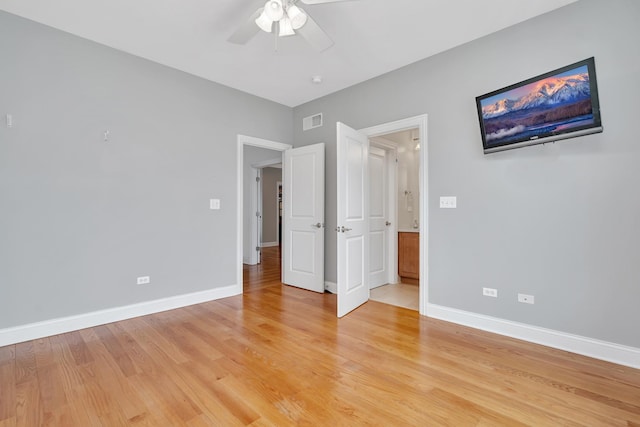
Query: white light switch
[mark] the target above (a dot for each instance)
(9, 121)
(448, 202)
(214, 204)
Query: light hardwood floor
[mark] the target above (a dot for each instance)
(278, 356)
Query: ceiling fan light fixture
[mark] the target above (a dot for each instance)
(297, 16)
(264, 22)
(285, 27)
(274, 9)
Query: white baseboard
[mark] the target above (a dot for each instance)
(331, 287)
(73, 323)
(268, 244)
(603, 350)
(611, 352)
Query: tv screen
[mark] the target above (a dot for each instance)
(560, 104)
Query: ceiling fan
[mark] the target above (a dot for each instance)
(284, 18)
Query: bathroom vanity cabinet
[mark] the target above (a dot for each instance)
(409, 257)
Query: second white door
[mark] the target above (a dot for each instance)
(303, 218)
(378, 217)
(352, 219)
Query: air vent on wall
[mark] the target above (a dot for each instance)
(311, 122)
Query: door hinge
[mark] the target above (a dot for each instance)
(257, 179)
(258, 214)
(258, 248)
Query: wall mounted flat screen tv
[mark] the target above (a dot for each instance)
(560, 104)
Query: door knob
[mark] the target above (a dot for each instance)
(387, 223)
(318, 225)
(343, 229)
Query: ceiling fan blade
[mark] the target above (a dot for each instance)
(321, 1)
(315, 36)
(246, 30)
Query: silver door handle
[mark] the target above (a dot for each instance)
(343, 229)
(387, 223)
(318, 225)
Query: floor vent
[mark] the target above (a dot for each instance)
(311, 122)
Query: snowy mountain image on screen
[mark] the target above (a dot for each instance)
(545, 93)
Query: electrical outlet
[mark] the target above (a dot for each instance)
(143, 280)
(490, 292)
(527, 299)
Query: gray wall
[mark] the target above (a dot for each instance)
(270, 178)
(80, 218)
(558, 221)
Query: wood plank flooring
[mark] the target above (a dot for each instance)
(278, 356)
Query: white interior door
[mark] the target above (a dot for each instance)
(254, 227)
(303, 218)
(378, 218)
(353, 219)
(259, 215)
(279, 212)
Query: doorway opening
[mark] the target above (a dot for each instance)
(394, 162)
(260, 213)
(253, 154)
(302, 259)
(264, 213)
(418, 129)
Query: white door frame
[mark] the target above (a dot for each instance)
(243, 141)
(419, 122)
(392, 206)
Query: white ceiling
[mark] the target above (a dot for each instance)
(371, 37)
